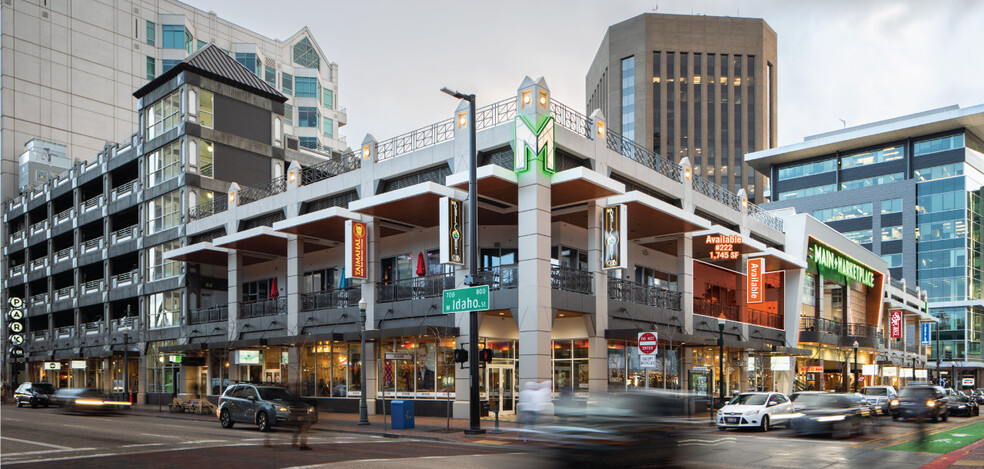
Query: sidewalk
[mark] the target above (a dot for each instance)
(968, 456)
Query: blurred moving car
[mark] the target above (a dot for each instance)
(636, 428)
(33, 394)
(920, 401)
(978, 395)
(958, 403)
(263, 406)
(880, 398)
(839, 415)
(87, 400)
(755, 409)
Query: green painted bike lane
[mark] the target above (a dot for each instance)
(944, 442)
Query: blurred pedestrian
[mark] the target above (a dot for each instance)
(527, 406)
(300, 436)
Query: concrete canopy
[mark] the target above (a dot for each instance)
(327, 224)
(262, 240)
(199, 253)
(415, 206)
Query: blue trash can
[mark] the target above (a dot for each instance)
(402, 414)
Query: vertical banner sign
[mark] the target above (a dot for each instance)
(614, 227)
(924, 329)
(895, 323)
(356, 249)
(755, 268)
(452, 231)
(647, 349)
(15, 324)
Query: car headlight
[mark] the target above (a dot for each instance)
(281, 409)
(930, 403)
(754, 412)
(310, 410)
(831, 418)
(895, 402)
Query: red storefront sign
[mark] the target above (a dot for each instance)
(895, 324)
(755, 268)
(356, 249)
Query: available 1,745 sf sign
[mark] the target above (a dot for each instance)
(466, 299)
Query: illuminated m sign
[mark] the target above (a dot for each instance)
(534, 143)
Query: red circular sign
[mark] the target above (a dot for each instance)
(647, 343)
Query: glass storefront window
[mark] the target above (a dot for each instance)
(428, 371)
(570, 366)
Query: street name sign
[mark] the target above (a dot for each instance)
(462, 300)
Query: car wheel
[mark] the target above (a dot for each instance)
(226, 420)
(765, 423)
(936, 417)
(262, 422)
(34, 403)
(19, 403)
(946, 415)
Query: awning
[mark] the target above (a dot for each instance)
(410, 331)
(650, 218)
(778, 260)
(494, 182)
(581, 184)
(261, 240)
(327, 224)
(306, 338)
(199, 253)
(414, 206)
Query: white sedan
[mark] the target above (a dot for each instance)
(755, 409)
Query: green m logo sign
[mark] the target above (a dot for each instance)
(534, 143)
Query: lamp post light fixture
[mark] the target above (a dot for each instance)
(363, 408)
(854, 374)
(721, 323)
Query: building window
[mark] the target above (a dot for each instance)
(331, 370)
(318, 281)
(257, 290)
(655, 278)
(309, 142)
(250, 61)
(160, 371)
(893, 260)
(307, 116)
(199, 44)
(891, 206)
(287, 83)
(177, 37)
(860, 236)
(151, 33)
(151, 68)
(329, 98)
(270, 76)
(569, 257)
(807, 192)
(570, 366)
(168, 64)
(164, 212)
(872, 181)
(807, 169)
(872, 157)
(846, 212)
(628, 98)
(163, 115)
(164, 309)
(157, 267)
(288, 114)
(891, 233)
(206, 154)
(305, 54)
(306, 87)
(939, 172)
(938, 144)
(206, 109)
(164, 164)
(327, 127)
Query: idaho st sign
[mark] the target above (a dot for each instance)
(462, 300)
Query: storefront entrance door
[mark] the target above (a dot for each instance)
(501, 384)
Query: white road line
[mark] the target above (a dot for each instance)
(36, 443)
(141, 445)
(14, 420)
(163, 436)
(46, 451)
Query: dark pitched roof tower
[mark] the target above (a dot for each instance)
(212, 62)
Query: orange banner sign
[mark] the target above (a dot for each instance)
(356, 249)
(755, 291)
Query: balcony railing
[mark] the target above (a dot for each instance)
(64, 293)
(17, 270)
(65, 331)
(92, 245)
(499, 278)
(123, 234)
(897, 284)
(642, 155)
(335, 298)
(333, 167)
(414, 288)
(122, 324)
(214, 314)
(39, 336)
(17, 236)
(415, 140)
(267, 189)
(91, 328)
(569, 118)
(491, 115)
(912, 291)
(64, 216)
(860, 330)
(123, 190)
(38, 227)
(572, 280)
(208, 209)
(760, 317)
(92, 286)
(255, 309)
(707, 187)
(765, 217)
(39, 299)
(38, 264)
(826, 326)
(633, 292)
(91, 204)
(124, 279)
(64, 254)
(716, 310)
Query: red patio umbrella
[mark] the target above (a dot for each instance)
(421, 269)
(274, 293)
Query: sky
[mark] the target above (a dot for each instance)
(857, 61)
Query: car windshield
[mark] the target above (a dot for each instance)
(749, 399)
(43, 388)
(875, 391)
(919, 393)
(273, 394)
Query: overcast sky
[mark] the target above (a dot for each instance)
(860, 61)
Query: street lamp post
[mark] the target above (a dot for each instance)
(854, 374)
(475, 423)
(721, 323)
(363, 408)
(939, 354)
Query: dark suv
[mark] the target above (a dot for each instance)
(923, 401)
(264, 406)
(34, 394)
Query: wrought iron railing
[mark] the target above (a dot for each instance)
(64, 254)
(569, 118)
(643, 155)
(267, 189)
(765, 217)
(270, 307)
(572, 280)
(499, 112)
(707, 187)
(860, 330)
(208, 209)
(64, 293)
(415, 140)
(92, 286)
(499, 278)
(63, 216)
(333, 167)
(414, 288)
(329, 299)
(92, 244)
(218, 313)
(716, 310)
(123, 279)
(91, 204)
(123, 234)
(764, 318)
(38, 227)
(39, 263)
(826, 326)
(123, 189)
(634, 292)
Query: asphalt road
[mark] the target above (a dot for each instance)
(42, 437)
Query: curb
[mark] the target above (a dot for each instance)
(952, 457)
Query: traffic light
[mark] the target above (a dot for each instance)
(485, 355)
(460, 355)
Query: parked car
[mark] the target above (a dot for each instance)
(978, 395)
(34, 394)
(87, 400)
(880, 398)
(839, 415)
(755, 409)
(922, 401)
(959, 403)
(263, 406)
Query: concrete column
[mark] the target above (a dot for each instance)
(597, 344)
(369, 368)
(235, 265)
(685, 280)
(295, 272)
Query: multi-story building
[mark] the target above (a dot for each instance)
(909, 189)
(249, 284)
(69, 69)
(696, 87)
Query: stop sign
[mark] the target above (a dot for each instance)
(647, 343)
